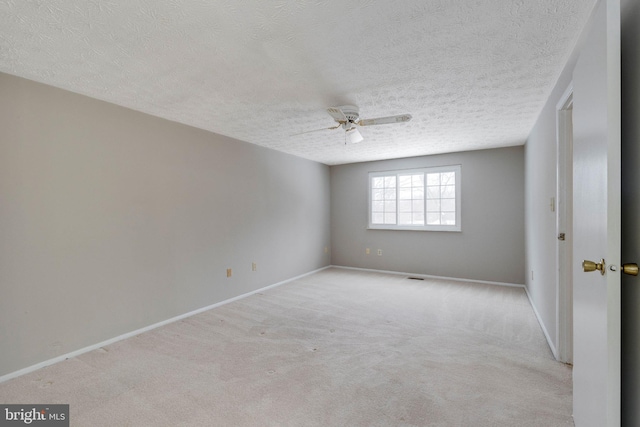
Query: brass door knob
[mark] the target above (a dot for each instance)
(588, 266)
(630, 269)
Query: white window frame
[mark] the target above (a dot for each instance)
(457, 169)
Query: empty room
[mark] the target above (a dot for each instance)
(319, 213)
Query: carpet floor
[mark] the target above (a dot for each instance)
(336, 348)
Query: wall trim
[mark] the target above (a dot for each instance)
(124, 336)
(427, 276)
(87, 349)
(552, 347)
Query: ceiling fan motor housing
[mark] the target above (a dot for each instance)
(352, 113)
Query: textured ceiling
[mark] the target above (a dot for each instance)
(474, 74)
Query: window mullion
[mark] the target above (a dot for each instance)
(397, 198)
(424, 198)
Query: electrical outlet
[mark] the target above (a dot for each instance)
(254, 266)
(229, 272)
(379, 252)
(367, 251)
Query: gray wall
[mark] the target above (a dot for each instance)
(630, 210)
(112, 220)
(540, 184)
(490, 246)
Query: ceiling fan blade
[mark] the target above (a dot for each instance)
(315, 130)
(337, 114)
(353, 135)
(385, 120)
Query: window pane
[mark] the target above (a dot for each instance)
(390, 218)
(404, 218)
(377, 182)
(390, 206)
(418, 219)
(404, 206)
(377, 218)
(433, 218)
(418, 206)
(404, 194)
(377, 206)
(390, 181)
(448, 178)
(377, 194)
(433, 179)
(417, 180)
(433, 206)
(404, 181)
(433, 192)
(389, 194)
(448, 205)
(448, 218)
(418, 193)
(448, 191)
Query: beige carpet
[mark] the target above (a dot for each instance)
(337, 348)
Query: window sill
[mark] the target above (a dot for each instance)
(451, 228)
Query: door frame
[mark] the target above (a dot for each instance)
(564, 224)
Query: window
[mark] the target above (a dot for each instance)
(416, 199)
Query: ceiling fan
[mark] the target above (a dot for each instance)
(348, 118)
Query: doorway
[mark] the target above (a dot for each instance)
(564, 225)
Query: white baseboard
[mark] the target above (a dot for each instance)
(541, 323)
(427, 276)
(535, 310)
(145, 329)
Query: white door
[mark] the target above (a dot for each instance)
(596, 226)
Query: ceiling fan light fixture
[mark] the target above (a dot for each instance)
(353, 135)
